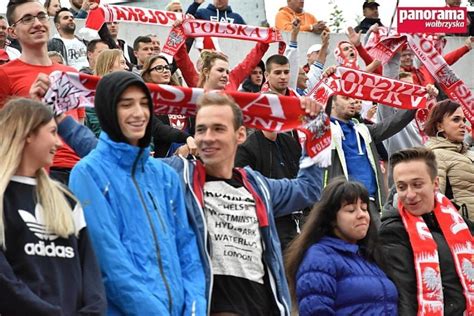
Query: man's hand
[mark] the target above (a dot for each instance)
(191, 143)
(187, 149)
(353, 36)
(295, 29)
(198, 1)
(469, 42)
(319, 27)
(329, 71)
(325, 38)
(310, 106)
(39, 87)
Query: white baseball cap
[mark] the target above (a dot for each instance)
(314, 48)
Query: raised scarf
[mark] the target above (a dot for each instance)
(269, 112)
(427, 49)
(118, 13)
(426, 259)
(366, 86)
(201, 28)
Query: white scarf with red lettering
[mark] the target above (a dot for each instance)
(269, 112)
(366, 86)
(427, 49)
(201, 28)
(118, 13)
(425, 253)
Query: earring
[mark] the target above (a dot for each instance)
(438, 133)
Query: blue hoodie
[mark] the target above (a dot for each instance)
(136, 214)
(212, 14)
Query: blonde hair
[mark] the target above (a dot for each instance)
(105, 61)
(207, 61)
(19, 119)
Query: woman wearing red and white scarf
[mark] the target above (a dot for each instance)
(426, 245)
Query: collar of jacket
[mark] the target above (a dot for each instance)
(122, 154)
(443, 143)
(339, 244)
(199, 179)
(213, 8)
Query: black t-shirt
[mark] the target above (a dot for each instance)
(237, 294)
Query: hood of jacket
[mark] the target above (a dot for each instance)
(443, 143)
(213, 8)
(108, 92)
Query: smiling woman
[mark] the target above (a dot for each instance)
(47, 264)
(330, 266)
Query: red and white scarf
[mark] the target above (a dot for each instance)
(201, 28)
(118, 13)
(427, 49)
(425, 253)
(269, 112)
(366, 86)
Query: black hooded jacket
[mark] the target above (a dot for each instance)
(108, 93)
(397, 262)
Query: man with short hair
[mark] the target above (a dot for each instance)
(294, 10)
(426, 245)
(109, 34)
(354, 153)
(94, 48)
(155, 41)
(73, 49)
(28, 75)
(232, 209)
(142, 49)
(370, 9)
(12, 52)
(80, 8)
(277, 73)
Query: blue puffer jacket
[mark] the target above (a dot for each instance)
(333, 279)
(137, 220)
(281, 197)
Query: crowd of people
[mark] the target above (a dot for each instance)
(113, 209)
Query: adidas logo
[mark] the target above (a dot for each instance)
(36, 225)
(50, 250)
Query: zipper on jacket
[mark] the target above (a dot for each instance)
(157, 211)
(187, 175)
(157, 246)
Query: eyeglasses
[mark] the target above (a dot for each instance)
(30, 19)
(161, 68)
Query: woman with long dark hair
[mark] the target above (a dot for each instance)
(330, 265)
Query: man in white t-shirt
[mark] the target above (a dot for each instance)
(73, 49)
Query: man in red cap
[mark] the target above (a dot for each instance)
(371, 16)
